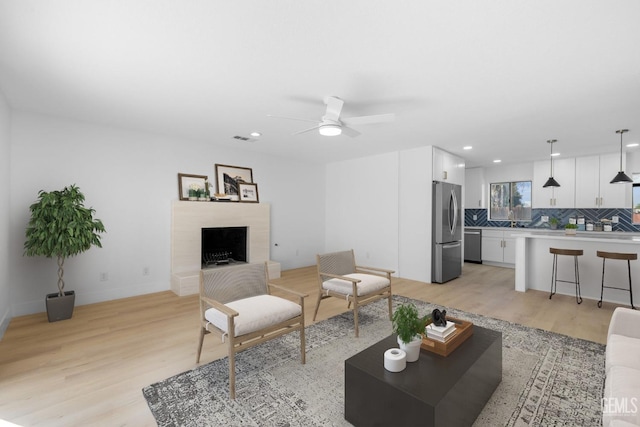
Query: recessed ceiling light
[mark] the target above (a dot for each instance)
(555, 154)
(497, 161)
(633, 144)
(467, 147)
(255, 134)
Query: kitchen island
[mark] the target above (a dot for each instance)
(534, 263)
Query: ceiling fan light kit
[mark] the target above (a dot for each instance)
(551, 182)
(621, 177)
(329, 130)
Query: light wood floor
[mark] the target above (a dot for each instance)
(90, 370)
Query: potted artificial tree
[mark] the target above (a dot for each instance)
(409, 327)
(61, 227)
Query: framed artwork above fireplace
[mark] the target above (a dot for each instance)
(248, 192)
(229, 177)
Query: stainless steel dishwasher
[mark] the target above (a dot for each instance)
(473, 245)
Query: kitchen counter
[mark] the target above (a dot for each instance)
(587, 236)
(534, 262)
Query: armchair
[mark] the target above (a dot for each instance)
(236, 305)
(340, 277)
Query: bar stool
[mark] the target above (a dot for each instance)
(575, 253)
(616, 255)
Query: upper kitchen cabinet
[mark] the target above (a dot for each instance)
(474, 189)
(564, 171)
(593, 190)
(447, 167)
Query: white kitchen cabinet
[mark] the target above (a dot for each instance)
(593, 190)
(447, 167)
(498, 246)
(554, 197)
(474, 188)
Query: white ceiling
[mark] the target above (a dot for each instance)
(501, 75)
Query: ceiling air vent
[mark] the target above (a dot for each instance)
(241, 138)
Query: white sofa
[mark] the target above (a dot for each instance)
(621, 400)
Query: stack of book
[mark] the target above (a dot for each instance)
(441, 333)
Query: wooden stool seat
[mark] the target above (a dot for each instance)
(571, 252)
(617, 255)
(624, 256)
(575, 253)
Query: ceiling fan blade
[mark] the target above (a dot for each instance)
(306, 130)
(334, 107)
(350, 132)
(292, 118)
(365, 120)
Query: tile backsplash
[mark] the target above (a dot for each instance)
(563, 215)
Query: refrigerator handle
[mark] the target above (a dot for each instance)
(451, 245)
(453, 200)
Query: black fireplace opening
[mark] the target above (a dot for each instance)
(223, 246)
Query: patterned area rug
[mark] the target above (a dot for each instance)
(547, 379)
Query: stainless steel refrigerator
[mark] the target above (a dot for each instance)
(446, 259)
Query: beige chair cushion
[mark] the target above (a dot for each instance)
(369, 284)
(255, 313)
(622, 351)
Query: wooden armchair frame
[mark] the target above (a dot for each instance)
(336, 265)
(236, 344)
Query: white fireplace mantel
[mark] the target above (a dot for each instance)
(187, 221)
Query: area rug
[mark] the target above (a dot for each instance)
(547, 379)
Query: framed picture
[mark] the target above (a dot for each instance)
(188, 182)
(248, 192)
(228, 178)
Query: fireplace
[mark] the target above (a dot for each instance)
(223, 246)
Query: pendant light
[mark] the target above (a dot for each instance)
(621, 177)
(551, 182)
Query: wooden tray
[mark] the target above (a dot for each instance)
(464, 330)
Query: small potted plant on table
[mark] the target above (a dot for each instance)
(570, 229)
(61, 227)
(409, 326)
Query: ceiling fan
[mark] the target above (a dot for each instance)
(332, 124)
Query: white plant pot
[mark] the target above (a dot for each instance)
(412, 348)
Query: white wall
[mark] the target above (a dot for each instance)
(508, 173)
(416, 177)
(130, 178)
(362, 209)
(381, 207)
(5, 181)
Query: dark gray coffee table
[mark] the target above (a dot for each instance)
(434, 391)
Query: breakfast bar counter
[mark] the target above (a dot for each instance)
(534, 262)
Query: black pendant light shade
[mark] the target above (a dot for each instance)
(621, 177)
(551, 182)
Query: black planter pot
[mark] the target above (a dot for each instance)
(60, 307)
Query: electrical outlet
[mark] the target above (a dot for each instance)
(615, 219)
(145, 271)
(544, 218)
(475, 217)
(104, 277)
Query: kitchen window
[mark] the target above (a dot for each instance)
(635, 199)
(510, 201)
